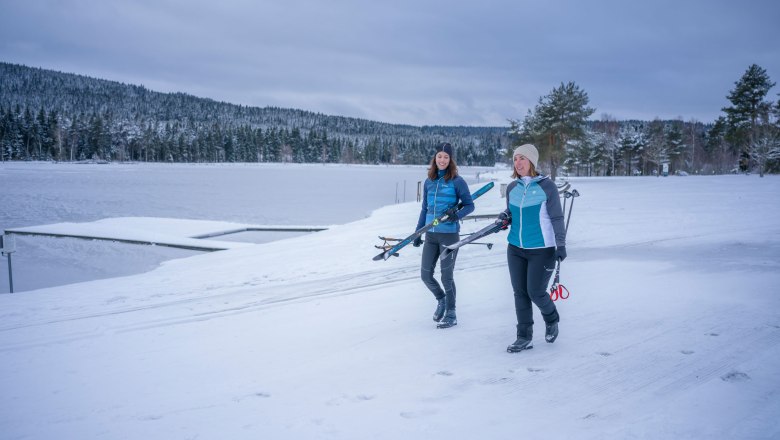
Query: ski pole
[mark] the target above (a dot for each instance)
(574, 193)
(558, 290)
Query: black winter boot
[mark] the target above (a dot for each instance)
(439, 313)
(551, 332)
(449, 320)
(551, 326)
(524, 340)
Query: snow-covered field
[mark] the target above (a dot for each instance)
(672, 330)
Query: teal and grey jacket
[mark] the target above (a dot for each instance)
(440, 195)
(537, 217)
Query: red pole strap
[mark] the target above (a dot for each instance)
(558, 290)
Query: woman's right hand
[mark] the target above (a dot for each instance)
(503, 219)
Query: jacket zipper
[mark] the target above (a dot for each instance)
(435, 195)
(522, 203)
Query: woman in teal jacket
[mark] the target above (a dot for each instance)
(443, 189)
(537, 239)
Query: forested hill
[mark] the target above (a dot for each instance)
(49, 115)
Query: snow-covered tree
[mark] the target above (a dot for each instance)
(675, 146)
(765, 141)
(655, 151)
(607, 132)
(559, 119)
(747, 107)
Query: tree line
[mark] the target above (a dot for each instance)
(25, 135)
(47, 115)
(746, 138)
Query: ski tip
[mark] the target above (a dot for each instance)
(487, 187)
(385, 256)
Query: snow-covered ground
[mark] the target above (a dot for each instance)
(672, 330)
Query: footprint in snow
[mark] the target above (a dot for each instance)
(417, 414)
(735, 376)
(535, 370)
(687, 351)
(604, 353)
(713, 334)
(494, 381)
(253, 395)
(151, 417)
(337, 401)
(444, 373)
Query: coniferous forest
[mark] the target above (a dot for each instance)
(49, 115)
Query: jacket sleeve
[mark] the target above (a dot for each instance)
(555, 212)
(464, 195)
(509, 189)
(424, 209)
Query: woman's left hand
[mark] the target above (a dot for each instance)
(560, 253)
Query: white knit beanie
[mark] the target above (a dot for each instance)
(528, 151)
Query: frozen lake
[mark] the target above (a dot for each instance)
(290, 194)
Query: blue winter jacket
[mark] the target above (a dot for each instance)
(440, 195)
(537, 217)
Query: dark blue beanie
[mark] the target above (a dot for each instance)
(445, 147)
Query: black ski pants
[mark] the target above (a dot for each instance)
(432, 249)
(530, 271)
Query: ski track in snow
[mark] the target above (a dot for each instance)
(244, 298)
(240, 299)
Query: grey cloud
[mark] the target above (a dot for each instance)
(415, 62)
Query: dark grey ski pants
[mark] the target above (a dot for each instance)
(530, 271)
(432, 248)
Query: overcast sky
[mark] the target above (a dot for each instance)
(419, 62)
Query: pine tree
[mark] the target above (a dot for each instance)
(558, 119)
(748, 105)
(675, 148)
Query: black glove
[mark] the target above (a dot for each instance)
(503, 220)
(452, 218)
(417, 242)
(560, 253)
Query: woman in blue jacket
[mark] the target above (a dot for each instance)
(443, 189)
(537, 239)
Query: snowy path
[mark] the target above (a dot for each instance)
(616, 371)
